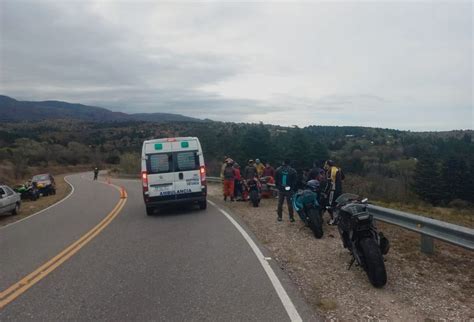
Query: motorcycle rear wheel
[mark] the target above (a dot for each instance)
(254, 198)
(373, 260)
(315, 222)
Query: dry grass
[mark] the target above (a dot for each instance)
(463, 217)
(30, 207)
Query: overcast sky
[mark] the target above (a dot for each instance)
(402, 65)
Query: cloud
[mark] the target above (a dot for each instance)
(402, 65)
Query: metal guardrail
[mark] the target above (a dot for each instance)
(428, 228)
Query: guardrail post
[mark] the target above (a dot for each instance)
(427, 244)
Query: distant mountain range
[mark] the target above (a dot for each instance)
(12, 110)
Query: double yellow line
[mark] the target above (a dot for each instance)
(31, 279)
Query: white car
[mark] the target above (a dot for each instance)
(173, 172)
(10, 201)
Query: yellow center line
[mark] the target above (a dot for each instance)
(12, 292)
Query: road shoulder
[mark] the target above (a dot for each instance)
(303, 308)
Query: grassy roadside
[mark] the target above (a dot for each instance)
(463, 217)
(30, 207)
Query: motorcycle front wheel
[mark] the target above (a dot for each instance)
(315, 222)
(373, 262)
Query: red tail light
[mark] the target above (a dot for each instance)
(145, 181)
(202, 171)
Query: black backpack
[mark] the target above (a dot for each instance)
(229, 173)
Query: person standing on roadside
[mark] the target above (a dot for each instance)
(317, 173)
(229, 180)
(260, 167)
(224, 163)
(237, 182)
(269, 171)
(96, 173)
(334, 185)
(286, 181)
(250, 171)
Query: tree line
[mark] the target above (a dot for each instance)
(385, 164)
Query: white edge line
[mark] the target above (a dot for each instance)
(284, 298)
(43, 210)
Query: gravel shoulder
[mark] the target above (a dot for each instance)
(419, 287)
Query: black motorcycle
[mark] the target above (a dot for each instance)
(360, 236)
(254, 191)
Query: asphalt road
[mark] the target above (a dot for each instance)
(181, 264)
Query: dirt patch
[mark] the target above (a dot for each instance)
(419, 287)
(30, 207)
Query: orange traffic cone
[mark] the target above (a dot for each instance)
(123, 194)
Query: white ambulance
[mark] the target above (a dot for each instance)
(173, 171)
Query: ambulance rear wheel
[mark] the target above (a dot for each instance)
(202, 204)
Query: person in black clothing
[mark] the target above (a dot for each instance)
(96, 173)
(250, 170)
(304, 178)
(286, 181)
(317, 172)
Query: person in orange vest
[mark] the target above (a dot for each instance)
(229, 180)
(237, 182)
(224, 163)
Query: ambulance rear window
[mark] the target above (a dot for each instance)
(160, 163)
(186, 161)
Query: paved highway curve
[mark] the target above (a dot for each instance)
(183, 264)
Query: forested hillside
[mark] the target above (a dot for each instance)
(12, 110)
(385, 164)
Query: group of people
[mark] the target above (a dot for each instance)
(234, 180)
(327, 177)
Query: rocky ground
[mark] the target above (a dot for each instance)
(419, 287)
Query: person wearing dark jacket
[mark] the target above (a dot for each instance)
(317, 173)
(269, 171)
(286, 181)
(250, 170)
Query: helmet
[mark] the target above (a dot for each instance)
(257, 161)
(331, 163)
(313, 185)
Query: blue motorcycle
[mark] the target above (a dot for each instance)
(306, 204)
